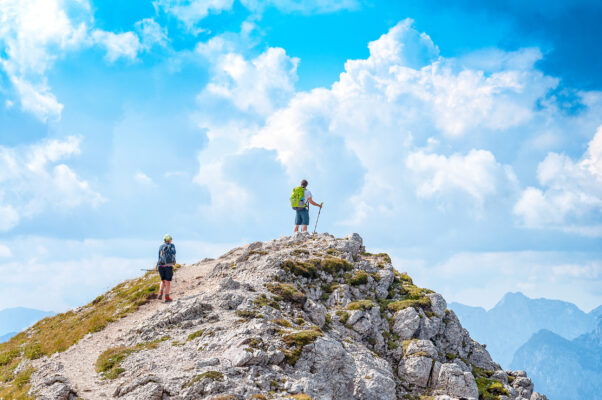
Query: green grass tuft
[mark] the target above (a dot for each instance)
(287, 292)
(359, 278)
(297, 340)
(363, 305)
(490, 389)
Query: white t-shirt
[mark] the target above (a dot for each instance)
(306, 195)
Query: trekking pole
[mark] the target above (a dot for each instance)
(318, 217)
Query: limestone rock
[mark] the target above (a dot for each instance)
(406, 323)
(457, 383)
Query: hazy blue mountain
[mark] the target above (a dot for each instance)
(4, 338)
(564, 369)
(19, 318)
(516, 317)
(596, 312)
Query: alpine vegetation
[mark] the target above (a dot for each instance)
(300, 317)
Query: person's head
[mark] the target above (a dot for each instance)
(167, 238)
(304, 183)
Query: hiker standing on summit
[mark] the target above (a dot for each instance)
(300, 200)
(165, 264)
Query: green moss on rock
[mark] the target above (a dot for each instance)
(287, 292)
(359, 278)
(363, 305)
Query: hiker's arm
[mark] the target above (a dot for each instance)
(311, 201)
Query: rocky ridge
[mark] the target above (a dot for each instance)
(303, 317)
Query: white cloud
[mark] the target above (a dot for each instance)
(37, 99)
(9, 217)
(190, 12)
(33, 179)
(33, 34)
(570, 197)
(151, 33)
(260, 85)
(5, 251)
(402, 122)
(143, 178)
(126, 45)
(477, 174)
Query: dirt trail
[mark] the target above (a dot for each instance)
(79, 360)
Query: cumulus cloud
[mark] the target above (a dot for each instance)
(126, 45)
(570, 196)
(151, 33)
(477, 174)
(260, 85)
(34, 178)
(366, 133)
(33, 33)
(37, 99)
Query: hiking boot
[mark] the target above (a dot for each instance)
(160, 297)
(167, 298)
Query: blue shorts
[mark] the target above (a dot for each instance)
(302, 217)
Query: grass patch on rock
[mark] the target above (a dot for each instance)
(287, 292)
(310, 269)
(195, 335)
(306, 269)
(359, 278)
(490, 389)
(283, 322)
(212, 375)
(109, 362)
(363, 305)
(343, 316)
(422, 302)
(296, 341)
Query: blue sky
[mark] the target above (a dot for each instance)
(464, 139)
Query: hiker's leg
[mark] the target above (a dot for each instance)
(161, 287)
(298, 220)
(167, 287)
(304, 219)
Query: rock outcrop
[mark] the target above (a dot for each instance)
(308, 316)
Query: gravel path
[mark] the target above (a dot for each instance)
(79, 360)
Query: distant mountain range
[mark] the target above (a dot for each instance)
(567, 369)
(6, 337)
(14, 320)
(516, 317)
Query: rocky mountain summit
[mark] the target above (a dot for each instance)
(300, 317)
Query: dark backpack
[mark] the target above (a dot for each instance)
(168, 255)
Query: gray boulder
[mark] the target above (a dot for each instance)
(406, 323)
(457, 383)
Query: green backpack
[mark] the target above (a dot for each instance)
(297, 200)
